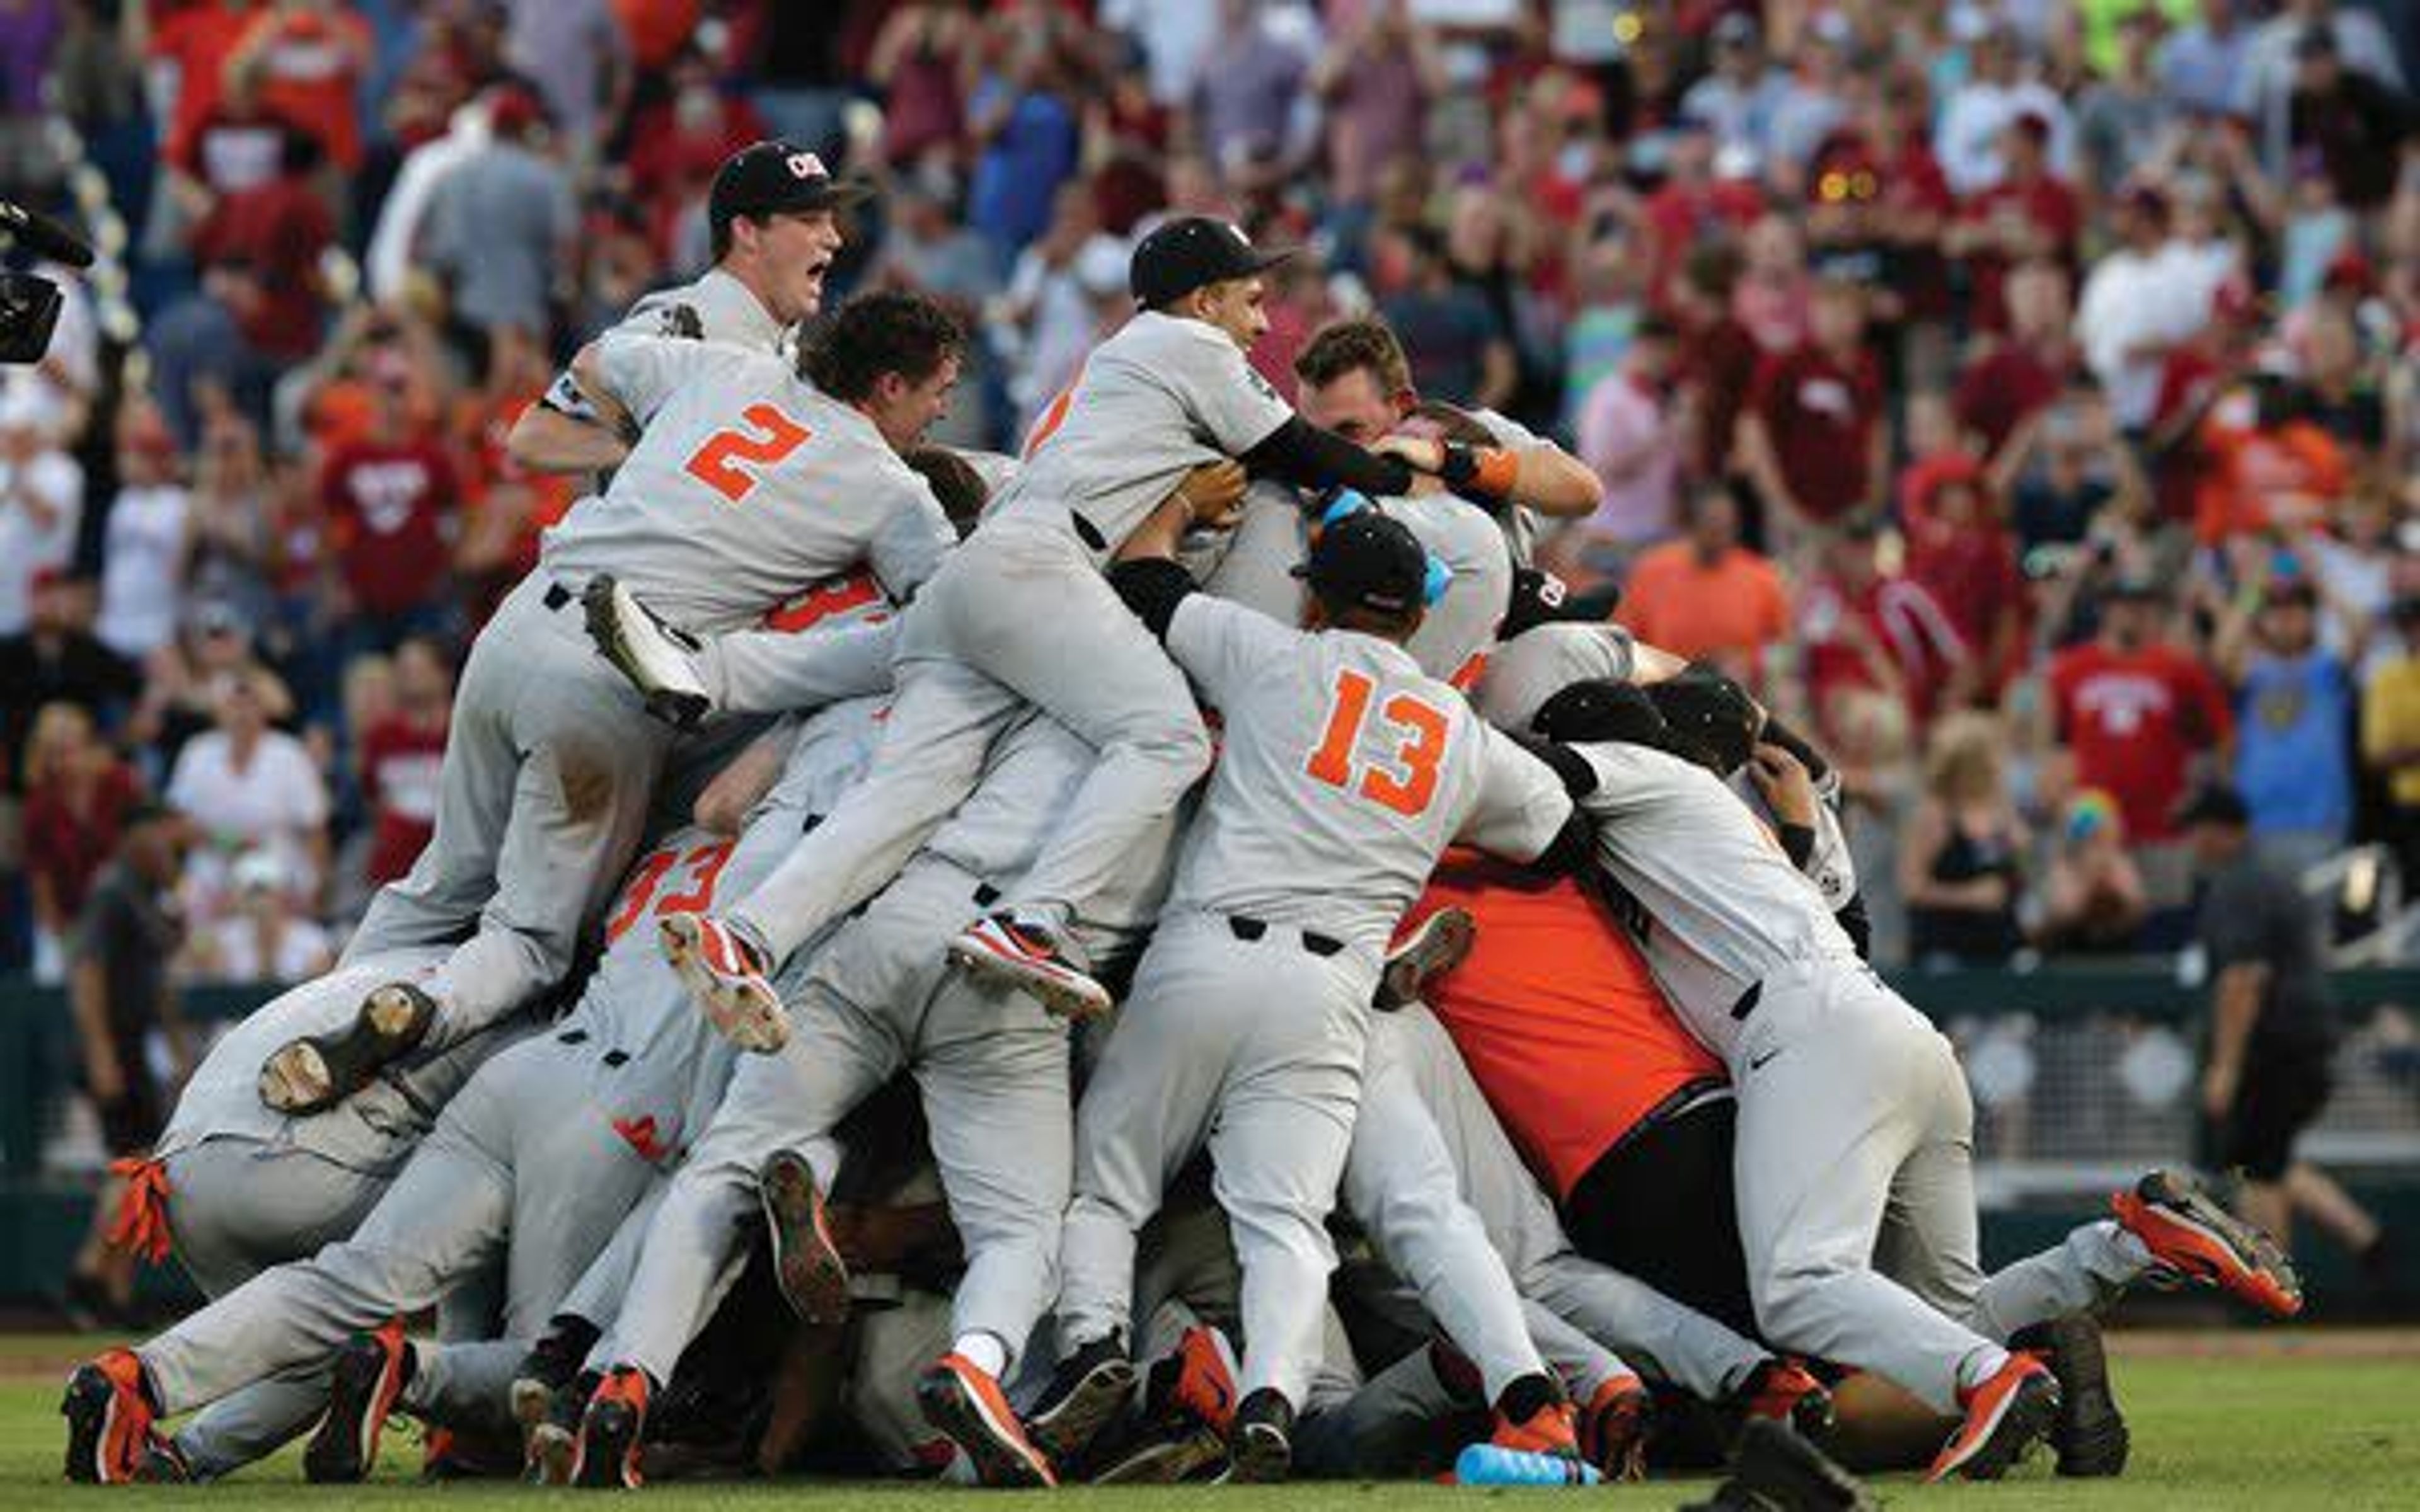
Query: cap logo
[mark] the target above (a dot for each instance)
(806, 166)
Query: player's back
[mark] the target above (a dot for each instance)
(1344, 772)
(1159, 398)
(746, 484)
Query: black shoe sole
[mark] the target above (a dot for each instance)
(951, 1409)
(2029, 1420)
(1260, 1455)
(1069, 1427)
(2091, 1439)
(344, 1448)
(348, 1060)
(1775, 1467)
(86, 1408)
(606, 1436)
(812, 1276)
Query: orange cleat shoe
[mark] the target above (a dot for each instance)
(606, 1454)
(109, 1412)
(962, 1400)
(2189, 1233)
(2007, 1414)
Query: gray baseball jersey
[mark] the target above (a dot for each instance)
(1532, 667)
(1519, 523)
(716, 307)
(1719, 906)
(1346, 771)
(748, 485)
(1162, 396)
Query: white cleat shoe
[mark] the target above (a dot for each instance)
(660, 659)
(999, 949)
(721, 973)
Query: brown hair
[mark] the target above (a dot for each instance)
(1454, 423)
(1349, 346)
(956, 485)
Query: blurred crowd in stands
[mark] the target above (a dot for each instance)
(2021, 393)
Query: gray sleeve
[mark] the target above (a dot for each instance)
(1509, 433)
(1223, 646)
(910, 545)
(774, 671)
(642, 372)
(1230, 399)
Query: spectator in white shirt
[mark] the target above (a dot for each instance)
(41, 500)
(1979, 113)
(268, 937)
(246, 784)
(2139, 301)
(146, 541)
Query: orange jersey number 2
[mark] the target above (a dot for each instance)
(1407, 791)
(769, 437)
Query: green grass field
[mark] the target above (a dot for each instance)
(2298, 1420)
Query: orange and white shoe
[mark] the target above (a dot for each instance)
(2009, 1411)
(726, 977)
(108, 1414)
(962, 1400)
(1204, 1384)
(369, 1378)
(2190, 1234)
(1782, 1391)
(1024, 956)
(606, 1454)
(1550, 1427)
(807, 1264)
(1613, 1429)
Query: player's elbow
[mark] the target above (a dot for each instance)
(1568, 488)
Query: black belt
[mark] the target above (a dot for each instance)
(1747, 1001)
(1250, 929)
(986, 895)
(557, 596)
(1089, 532)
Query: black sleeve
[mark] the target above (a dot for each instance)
(1798, 843)
(1152, 588)
(1302, 453)
(1797, 745)
(1853, 919)
(1579, 778)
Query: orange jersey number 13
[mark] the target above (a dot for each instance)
(768, 437)
(1409, 787)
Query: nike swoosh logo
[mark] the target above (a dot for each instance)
(1757, 1062)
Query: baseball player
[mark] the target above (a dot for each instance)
(235, 1188)
(1855, 1128)
(1353, 377)
(537, 1158)
(1022, 614)
(772, 216)
(877, 998)
(748, 485)
(1344, 772)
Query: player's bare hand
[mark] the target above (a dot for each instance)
(1419, 453)
(1213, 494)
(1785, 784)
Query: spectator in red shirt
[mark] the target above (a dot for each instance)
(2020, 373)
(308, 57)
(2029, 214)
(275, 233)
(76, 792)
(1965, 556)
(2132, 713)
(1718, 356)
(400, 757)
(1694, 207)
(1864, 626)
(1813, 437)
(677, 143)
(390, 499)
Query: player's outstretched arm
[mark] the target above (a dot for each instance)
(575, 426)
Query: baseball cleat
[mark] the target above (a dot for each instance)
(1436, 947)
(1775, 1470)
(2007, 1414)
(369, 1376)
(807, 1264)
(2090, 1436)
(1782, 1391)
(1200, 1379)
(1533, 1416)
(109, 1416)
(1260, 1452)
(2190, 1234)
(962, 1400)
(660, 659)
(548, 1416)
(1178, 1452)
(162, 1464)
(1090, 1387)
(606, 1453)
(1614, 1427)
(726, 977)
(999, 948)
(316, 1072)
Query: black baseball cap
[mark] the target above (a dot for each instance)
(1192, 251)
(2216, 803)
(1369, 561)
(776, 177)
